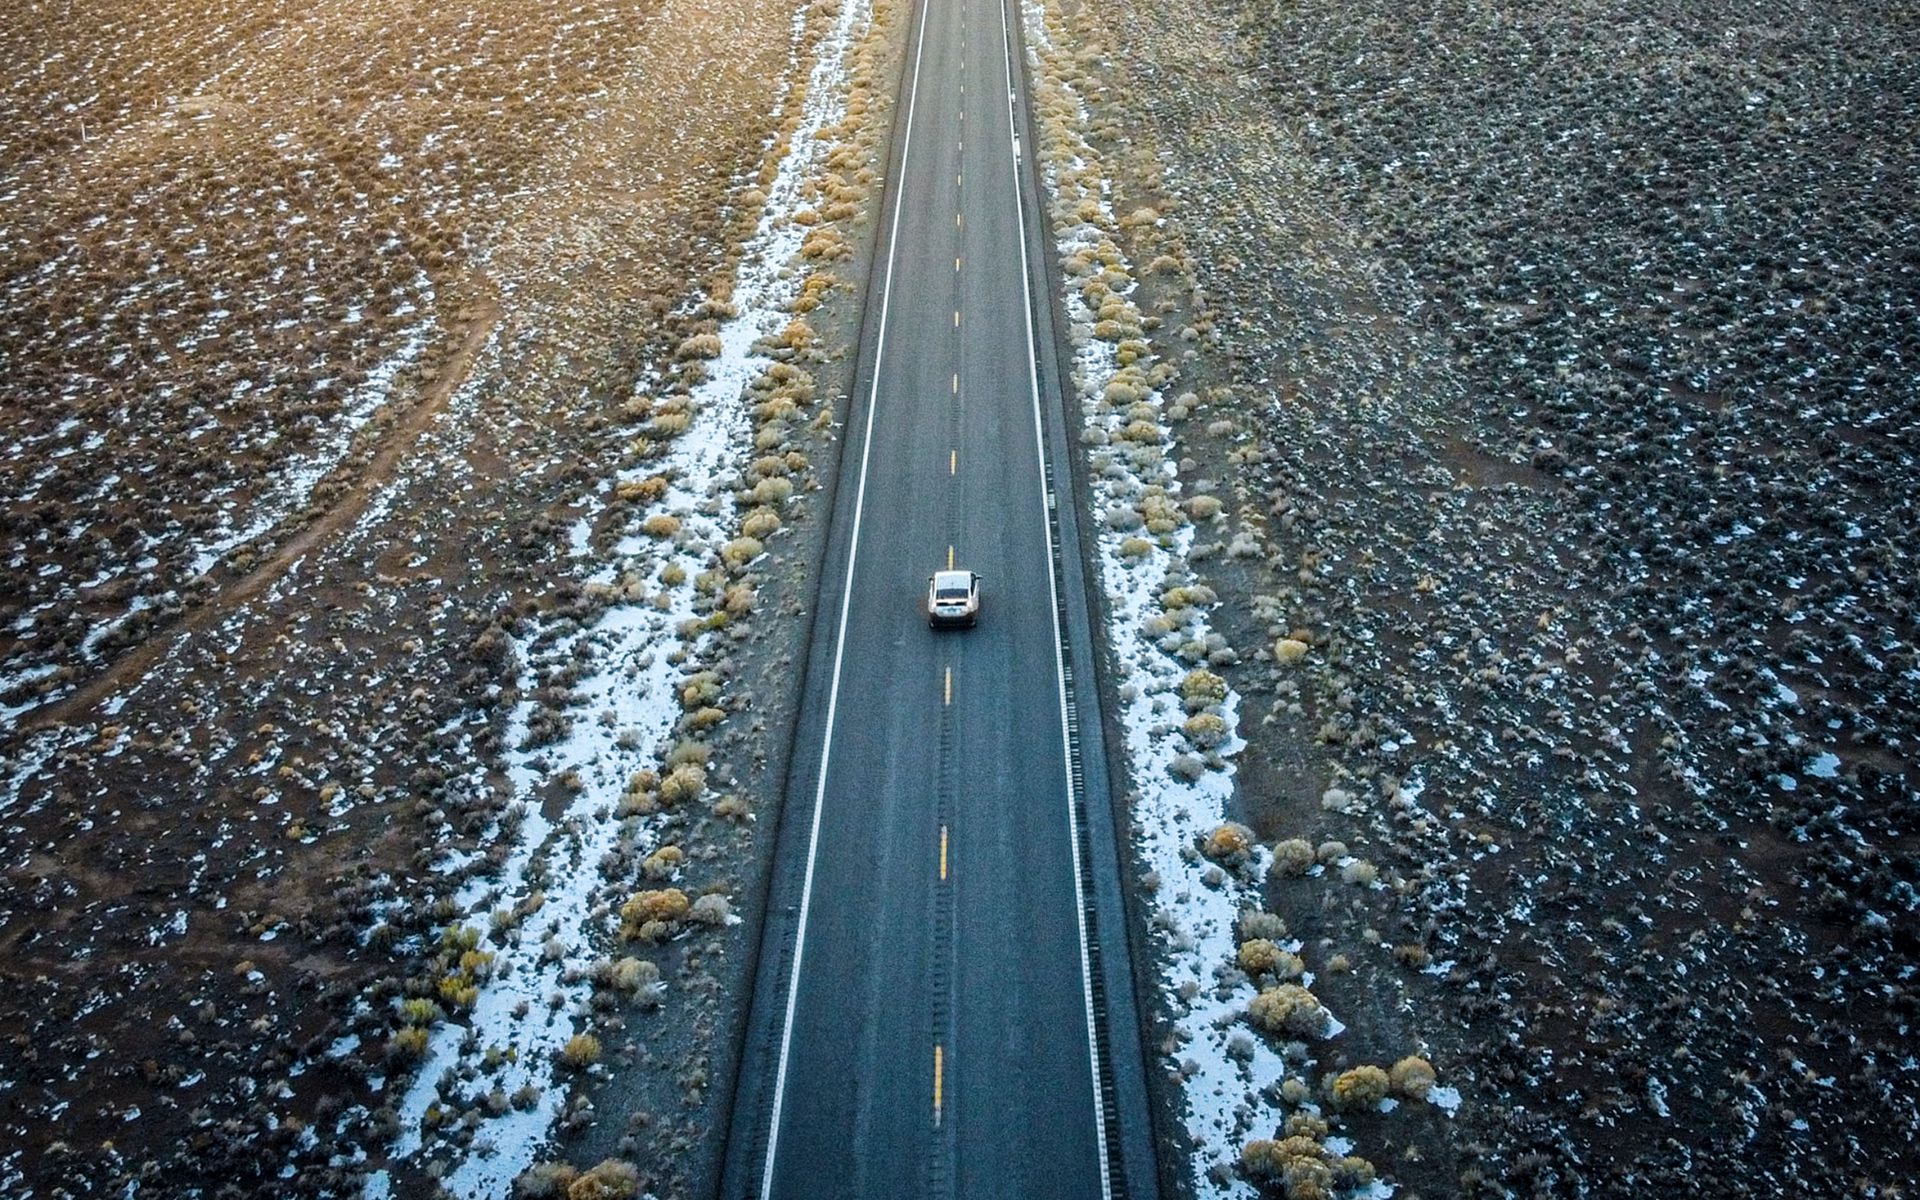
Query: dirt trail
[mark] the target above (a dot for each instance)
(347, 509)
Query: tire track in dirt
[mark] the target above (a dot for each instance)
(405, 434)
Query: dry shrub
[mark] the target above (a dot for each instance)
(1262, 957)
(661, 904)
(1292, 857)
(1360, 873)
(825, 244)
(1412, 1077)
(772, 491)
(1127, 387)
(581, 1051)
(544, 1181)
(1254, 923)
(700, 345)
(1187, 596)
(1288, 651)
(641, 491)
(813, 292)
(409, 1044)
(1297, 1164)
(685, 782)
(1258, 956)
(711, 909)
(1202, 688)
(798, 335)
(701, 688)
(1306, 1125)
(760, 523)
(1352, 1173)
(1291, 1010)
(780, 408)
(1229, 840)
(611, 1180)
(741, 551)
(662, 863)
(633, 975)
(661, 525)
(1361, 1088)
(1205, 730)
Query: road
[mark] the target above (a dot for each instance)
(937, 1012)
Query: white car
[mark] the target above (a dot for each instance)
(953, 598)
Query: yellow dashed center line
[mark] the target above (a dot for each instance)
(943, 852)
(956, 384)
(956, 262)
(956, 318)
(949, 558)
(953, 462)
(949, 695)
(939, 1070)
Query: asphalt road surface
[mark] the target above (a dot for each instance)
(943, 1006)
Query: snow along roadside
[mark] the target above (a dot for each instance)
(1180, 720)
(552, 904)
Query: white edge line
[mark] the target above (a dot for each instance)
(840, 643)
(1053, 590)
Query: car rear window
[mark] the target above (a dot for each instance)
(952, 593)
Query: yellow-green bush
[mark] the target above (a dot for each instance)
(1412, 1077)
(581, 1051)
(1228, 840)
(1361, 1088)
(1289, 1009)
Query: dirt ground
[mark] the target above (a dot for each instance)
(1560, 363)
(317, 324)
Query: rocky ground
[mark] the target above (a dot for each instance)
(348, 348)
(1557, 367)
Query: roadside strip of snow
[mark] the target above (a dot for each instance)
(1181, 792)
(539, 984)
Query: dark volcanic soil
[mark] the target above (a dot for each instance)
(1574, 355)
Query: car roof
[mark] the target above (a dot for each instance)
(952, 578)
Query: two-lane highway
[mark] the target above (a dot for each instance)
(926, 1021)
